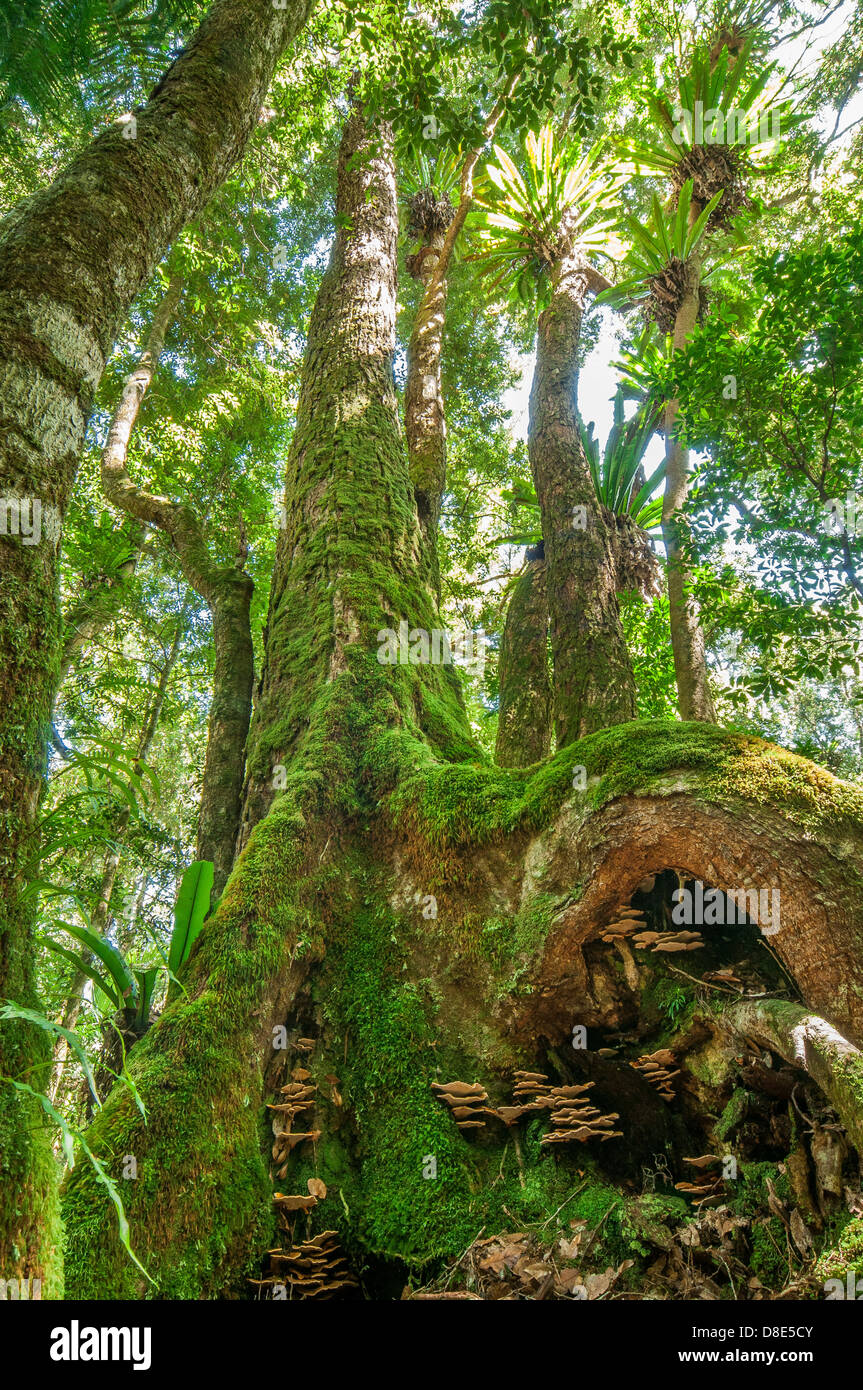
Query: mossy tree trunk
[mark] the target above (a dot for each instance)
(72, 260)
(594, 685)
(526, 698)
(342, 723)
(425, 419)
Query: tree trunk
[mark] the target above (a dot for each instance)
(425, 420)
(687, 638)
(72, 260)
(347, 566)
(808, 1042)
(594, 685)
(348, 557)
(526, 698)
(227, 590)
(99, 917)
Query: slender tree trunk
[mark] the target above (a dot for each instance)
(72, 260)
(87, 618)
(228, 592)
(100, 915)
(228, 727)
(594, 685)
(687, 638)
(425, 418)
(526, 698)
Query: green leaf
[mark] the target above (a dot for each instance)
(146, 977)
(11, 1011)
(110, 957)
(193, 903)
(80, 962)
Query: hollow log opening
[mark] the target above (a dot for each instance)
(648, 1066)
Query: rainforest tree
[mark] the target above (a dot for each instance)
(463, 727)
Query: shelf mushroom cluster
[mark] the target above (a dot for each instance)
(571, 1115)
(299, 1098)
(656, 1067)
(316, 1268)
(707, 1187)
(530, 1093)
(574, 1118)
(630, 925)
(629, 919)
(668, 941)
(466, 1101)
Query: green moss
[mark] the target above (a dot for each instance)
(733, 1114)
(380, 1197)
(198, 1233)
(768, 1247)
(843, 1254)
(475, 804)
(647, 1222)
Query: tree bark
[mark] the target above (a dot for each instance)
(594, 685)
(687, 638)
(526, 698)
(425, 418)
(72, 260)
(811, 1043)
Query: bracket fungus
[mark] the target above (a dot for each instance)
(669, 941)
(573, 1118)
(466, 1101)
(655, 1068)
(315, 1268)
(707, 1188)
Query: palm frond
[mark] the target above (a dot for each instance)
(559, 200)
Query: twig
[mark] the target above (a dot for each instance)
(564, 1202)
(454, 1266)
(595, 1232)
